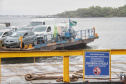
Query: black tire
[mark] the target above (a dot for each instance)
(7, 47)
(2, 45)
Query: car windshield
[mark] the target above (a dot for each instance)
(1, 33)
(39, 29)
(22, 29)
(17, 34)
(35, 23)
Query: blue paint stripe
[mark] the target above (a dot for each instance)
(61, 42)
(77, 39)
(38, 46)
(91, 36)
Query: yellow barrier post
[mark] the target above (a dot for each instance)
(83, 65)
(21, 41)
(110, 65)
(66, 69)
(34, 61)
(0, 70)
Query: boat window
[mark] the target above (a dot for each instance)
(35, 23)
(43, 23)
(62, 26)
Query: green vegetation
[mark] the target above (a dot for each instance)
(96, 11)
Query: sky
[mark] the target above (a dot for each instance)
(50, 7)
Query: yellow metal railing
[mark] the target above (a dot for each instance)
(64, 53)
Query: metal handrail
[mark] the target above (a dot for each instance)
(59, 37)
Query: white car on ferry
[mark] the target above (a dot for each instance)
(43, 32)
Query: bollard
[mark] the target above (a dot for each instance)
(30, 46)
(21, 41)
(26, 46)
(96, 35)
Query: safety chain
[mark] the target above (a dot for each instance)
(30, 77)
(72, 79)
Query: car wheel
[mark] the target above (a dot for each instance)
(35, 43)
(2, 45)
(7, 47)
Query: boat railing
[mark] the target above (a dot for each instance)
(65, 36)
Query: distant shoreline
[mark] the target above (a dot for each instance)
(95, 11)
(36, 16)
(91, 12)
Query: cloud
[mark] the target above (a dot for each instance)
(48, 7)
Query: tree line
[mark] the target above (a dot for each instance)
(94, 11)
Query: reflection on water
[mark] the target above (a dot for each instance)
(78, 47)
(17, 60)
(45, 59)
(49, 59)
(31, 60)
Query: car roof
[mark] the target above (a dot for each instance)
(27, 27)
(7, 27)
(43, 26)
(10, 27)
(5, 30)
(25, 31)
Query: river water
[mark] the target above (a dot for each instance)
(111, 32)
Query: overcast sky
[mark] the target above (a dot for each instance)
(50, 7)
